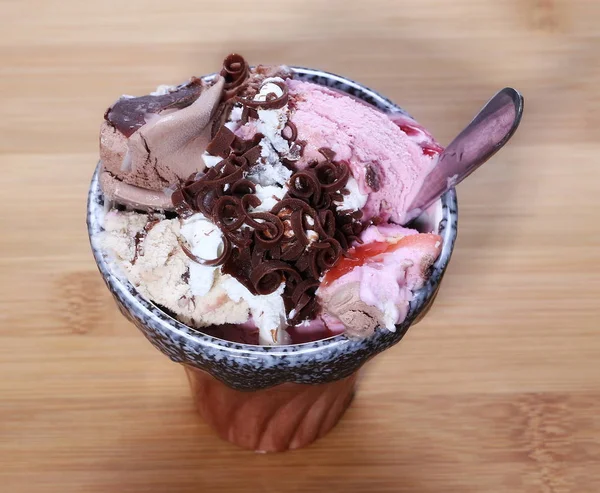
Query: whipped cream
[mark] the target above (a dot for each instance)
(270, 174)
(206, 242)
(209, 160)
(355, 200)
(233, 122)
(163, 89)
(271, 123)
(269, 195)
(268, 311)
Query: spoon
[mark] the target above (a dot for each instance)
(493, 127)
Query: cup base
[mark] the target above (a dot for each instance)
(284, 417)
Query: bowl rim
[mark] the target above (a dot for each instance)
(118, 285)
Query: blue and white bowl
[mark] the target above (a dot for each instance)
(247, 367)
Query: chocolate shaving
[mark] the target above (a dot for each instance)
(235, 71)
(209, 262)
(327, 153)
(267, 276)
(221, 115)
(243, 187)
(270, 231)
(253, 154)
(293, 131)
(220, 145)
(272, 103)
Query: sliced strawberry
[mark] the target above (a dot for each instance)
(422, 248)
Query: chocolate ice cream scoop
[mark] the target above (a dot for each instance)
(141, 169)
(359, 319)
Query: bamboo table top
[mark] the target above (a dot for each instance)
(497, 390)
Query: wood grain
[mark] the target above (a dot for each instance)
(497, 390)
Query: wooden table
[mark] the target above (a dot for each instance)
(498, 390)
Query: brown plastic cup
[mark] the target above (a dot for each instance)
(286, 416)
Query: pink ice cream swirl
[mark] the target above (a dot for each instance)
(390, 157)
(374, 285)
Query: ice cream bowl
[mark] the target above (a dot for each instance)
(273, 398)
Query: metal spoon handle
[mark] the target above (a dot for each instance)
(493, 126)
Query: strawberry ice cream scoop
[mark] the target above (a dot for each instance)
(389, 158)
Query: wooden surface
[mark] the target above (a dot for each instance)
(498, 390)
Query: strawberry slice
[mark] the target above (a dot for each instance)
(423, 249)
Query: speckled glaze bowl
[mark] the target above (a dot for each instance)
(271, 398)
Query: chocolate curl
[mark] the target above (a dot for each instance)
(305, 286)
(303, 300)
(243, 188)
(291, 129)
(332, 176)
(181, 205)
(325, 225)
(327, 153)
(305, 185)
(235, 71)
(220, 260)
(250, 201)
(228, 213)
(242, 239)
(248, 113)
(271, 103)
(239, 147)
(296, 222)
(293, 205)
(292, 251)
(252, 155)
(271, 230)
(268, 276)
(328, 253)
